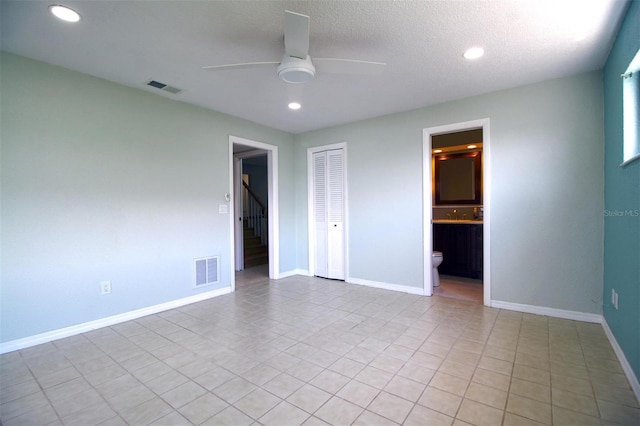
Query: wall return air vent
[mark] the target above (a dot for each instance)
(207, 270)
(163, 86)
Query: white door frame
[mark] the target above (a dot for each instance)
(237, 205)
(310, 217)
(272, 203)
(427, 200)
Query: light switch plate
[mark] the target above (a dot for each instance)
(223, 209)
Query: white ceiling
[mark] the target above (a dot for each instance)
(130, 42)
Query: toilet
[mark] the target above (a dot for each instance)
(436, 260)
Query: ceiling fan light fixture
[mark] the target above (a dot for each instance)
(64, 13)
(296, 70)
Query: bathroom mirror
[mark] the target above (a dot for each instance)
(458, 178)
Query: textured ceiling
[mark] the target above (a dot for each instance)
(130, 42)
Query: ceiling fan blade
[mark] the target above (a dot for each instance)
(241, 66)
(296, 34)
(348, 66)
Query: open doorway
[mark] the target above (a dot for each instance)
(456, 188)
(254, 218)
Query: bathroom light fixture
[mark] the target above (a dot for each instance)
(472, 146)
(473, 53)
(294, 105)
(64, 13)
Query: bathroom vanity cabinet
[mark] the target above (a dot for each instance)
(461, 247)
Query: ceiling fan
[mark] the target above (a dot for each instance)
(296, 65)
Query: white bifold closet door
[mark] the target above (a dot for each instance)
(328, 196)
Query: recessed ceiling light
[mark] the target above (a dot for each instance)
(473, 53)
(294, 105)
(472, 146)
(64, 13)
(437, 151)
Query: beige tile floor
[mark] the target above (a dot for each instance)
(311, 351)
(459, 288)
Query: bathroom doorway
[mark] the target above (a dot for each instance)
(456, 212)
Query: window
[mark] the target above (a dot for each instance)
(631, 111)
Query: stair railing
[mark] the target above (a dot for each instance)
(255, 213)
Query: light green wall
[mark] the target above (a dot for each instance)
(103, 182)
(546, 153)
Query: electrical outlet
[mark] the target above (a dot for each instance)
(105, 287)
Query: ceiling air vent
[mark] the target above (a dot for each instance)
(163, 86)
(207, 270)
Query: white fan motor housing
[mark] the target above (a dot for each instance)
(296, 70)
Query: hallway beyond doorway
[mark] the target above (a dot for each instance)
(252, 275)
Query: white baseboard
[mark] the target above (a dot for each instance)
(550, 312)
(626, 367)
(293, 272)
(386, 286)
(14, 345)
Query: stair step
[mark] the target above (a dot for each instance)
(252, 240)
(255, 253)
(255, 250)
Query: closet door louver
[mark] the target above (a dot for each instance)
(328, 196)
(320, 212)
(335, 186)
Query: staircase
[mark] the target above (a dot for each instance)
(255, 253)
(255, 232)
